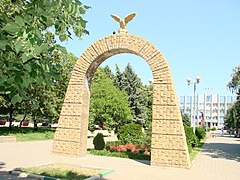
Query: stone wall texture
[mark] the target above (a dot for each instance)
(169, 147)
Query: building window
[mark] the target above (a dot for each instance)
(215, 105)
(229, 99)
(208, 98)
(189, 99)
(222, 99)
(182, 99)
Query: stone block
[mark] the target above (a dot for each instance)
(170, 158)
(164, 126)
(69, 121)
(71, 109)
(67, 134)
(168, 142)
(166, 112)
(164, 94)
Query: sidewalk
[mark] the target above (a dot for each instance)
(219, 159)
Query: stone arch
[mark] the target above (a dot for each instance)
(169, 147)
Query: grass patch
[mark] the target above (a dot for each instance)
(129, 155)
(196, 149)
(64, 171)
(28, 133)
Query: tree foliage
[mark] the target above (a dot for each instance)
(131, 83)
(50, 97)
(186, 119)
(28, 31)
(130, 133)
(147, 96)
(108, 104)
(234, 84)
(108, 72)
(232, 118)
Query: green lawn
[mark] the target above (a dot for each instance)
(28, 133)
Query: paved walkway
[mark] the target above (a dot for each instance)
(219, 159)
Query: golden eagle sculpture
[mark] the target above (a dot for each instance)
(123, 22)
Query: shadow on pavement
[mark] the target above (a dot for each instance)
(146, 162)
(222, 150)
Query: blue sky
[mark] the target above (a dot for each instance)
(196, 37)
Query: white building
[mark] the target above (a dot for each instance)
(210, 108)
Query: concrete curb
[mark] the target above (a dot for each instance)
(17, 171)
(100, 175)
(21, 174)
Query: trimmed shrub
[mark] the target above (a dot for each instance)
(192, 139)
(213, 129)
(98, 141)
(200, 133)
(130, 133)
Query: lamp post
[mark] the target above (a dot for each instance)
(197, 78)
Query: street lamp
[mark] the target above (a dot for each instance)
(197, 78)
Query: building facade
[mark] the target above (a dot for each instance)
(210, 109)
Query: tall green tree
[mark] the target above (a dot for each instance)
(108, 104)
(233, 115)
(234, 84)
(108, 72)
(25, 53)
(229, 118)
(118, 79)
(51, 96)
(131, 83)
(232, 118)
(45, 100)
(147, 94)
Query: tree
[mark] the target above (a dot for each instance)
(229, 118)
(25, 53)
(108, 72)
(232, 118)
(131, 83)
(108, 104)
(186, 119)
(147, 94)
(234, 84)
(118, 79)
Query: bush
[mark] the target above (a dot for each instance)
(200, 133)
(130, 133)
(98, 141)
(192, 139)
(112, 143)
(129, 155)
(147, 139)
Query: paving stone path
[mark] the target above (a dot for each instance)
(219, 159)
